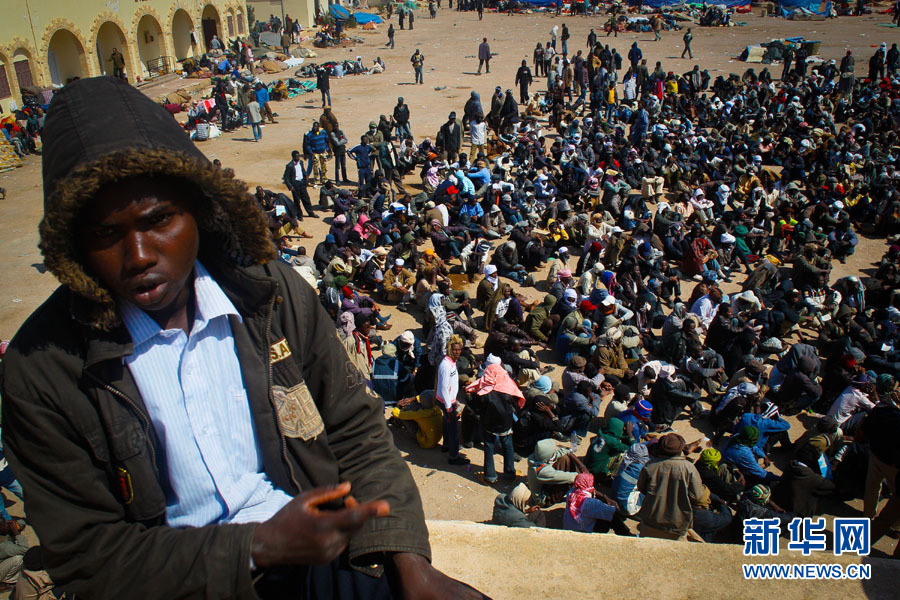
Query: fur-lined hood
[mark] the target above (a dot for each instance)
(102, 130)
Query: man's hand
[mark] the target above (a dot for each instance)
(418, 580)
(301, 534)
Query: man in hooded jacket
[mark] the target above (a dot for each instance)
(181, 404)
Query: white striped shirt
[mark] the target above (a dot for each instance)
(192, 387)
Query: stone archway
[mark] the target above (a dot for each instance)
(211, 22)
(66, 57)
(183, 41)
(150, 42)
(110, 35)
(9, 88)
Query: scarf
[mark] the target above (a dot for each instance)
(519, 496)
(710, 458)
(637, 454)
(749, 436)
(360, 339)
(760, 494)
(582, 489)
(496, 379)
(346, 324)
(440, 333)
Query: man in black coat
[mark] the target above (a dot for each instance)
(295, 178)
(523, 80)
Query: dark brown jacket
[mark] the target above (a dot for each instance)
(76, 430)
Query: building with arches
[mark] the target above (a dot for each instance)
(51, 42)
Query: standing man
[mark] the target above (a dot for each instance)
(788, 58)
(254, 117)
(286, 41)
(656, 23)
(687, 37)
(484, 55)
(565, 40)
(118, 62)
(401, 16)
(362, 154)
(412, 18)
(295, 178)
(446, 392)
(450, 136)
(323, 82)
(237, 416)
(215, 44)
(262, 96)
(523, 80)
(418, 61)
(391, 36)
(316, 145)
(634, 56)
(591, 41)
(339, 149)
(401, 119)
(800, 61)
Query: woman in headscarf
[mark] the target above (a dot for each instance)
(512, 509)
(624, 486)
(493, 117)
(509, 113)
(472, 109)
(585, 506)
(721, 480)
(498, 396)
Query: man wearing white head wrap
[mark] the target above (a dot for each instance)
(590, 280)
(487, 286)
(492, 360)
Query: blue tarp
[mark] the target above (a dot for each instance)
(662, 3)
(339, 12)
(363, 18)
(541, 3)
(787, 7)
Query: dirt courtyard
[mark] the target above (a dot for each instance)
(450, 45)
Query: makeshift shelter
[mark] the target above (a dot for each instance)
(673, 3)
(363, 18)
(339, 12)
(804, 10)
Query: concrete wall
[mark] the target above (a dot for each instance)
(517, 564)
(81, 35)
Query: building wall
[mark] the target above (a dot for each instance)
(59, 39)
(304, 10)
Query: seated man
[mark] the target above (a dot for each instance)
(173, 305)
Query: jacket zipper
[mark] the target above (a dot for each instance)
(144, 421)
(268, 360)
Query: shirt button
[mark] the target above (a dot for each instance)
(205, 431)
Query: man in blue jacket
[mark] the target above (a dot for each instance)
(316, 147)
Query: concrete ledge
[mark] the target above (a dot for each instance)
(520, 564)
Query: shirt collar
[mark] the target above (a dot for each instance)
(210, 303)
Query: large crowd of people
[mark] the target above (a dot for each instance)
(682, 232)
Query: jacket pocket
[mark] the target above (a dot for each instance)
(298, 416)
(135, 480)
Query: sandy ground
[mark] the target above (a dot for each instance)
(449, 44)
